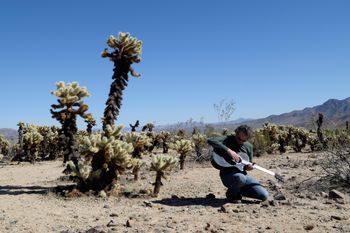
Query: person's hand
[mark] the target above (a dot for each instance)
(235, 157)
(248, 167)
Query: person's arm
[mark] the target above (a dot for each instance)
(250, 154)
(218, 144)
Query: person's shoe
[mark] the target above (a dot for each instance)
(233, 199)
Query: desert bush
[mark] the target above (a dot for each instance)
(336, 164)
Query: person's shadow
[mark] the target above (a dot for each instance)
(204, 201)
(19, 190)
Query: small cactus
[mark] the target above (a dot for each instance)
(160, 164)
(137, 164)
(183, 147)
(139, 141)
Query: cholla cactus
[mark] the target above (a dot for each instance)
(164, 138)
(49, 148)
(31, 142)
(91, 122)
(183, 147)
(225, 131)
(148, 126)
(139, 141)
(199, 141)
(161, 164)
(71, 105)
(4, 145)
(1, 157)
(137, 164)
(133, 127)
(126, 51)
(105, 156)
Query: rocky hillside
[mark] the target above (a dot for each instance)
(10, 134)
(335, 112)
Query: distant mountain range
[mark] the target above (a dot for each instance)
(335, 112)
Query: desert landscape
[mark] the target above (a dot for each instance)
(191, 200)
(116, 113)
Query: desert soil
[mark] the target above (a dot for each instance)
(191, 200)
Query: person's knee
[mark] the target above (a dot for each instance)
(263, 195)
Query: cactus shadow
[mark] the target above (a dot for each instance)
(20, 190)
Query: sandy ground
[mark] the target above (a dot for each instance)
(27, 203)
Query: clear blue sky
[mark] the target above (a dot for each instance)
(270, 57)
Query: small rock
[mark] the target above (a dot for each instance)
(113, 215)
(223, 209)
(174, 196)
(336, 194)
(273, 203)
(210, 196)
(111, 223)
(279, 196)
(207, 227)
(336, 217)
(102, 194)
(311, 197)
(147, 204)
(324, 195)
(128, 223)
(106, 206)
(340, 200)
(309, 227)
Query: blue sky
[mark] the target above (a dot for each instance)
(270, 57)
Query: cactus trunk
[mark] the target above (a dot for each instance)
(182, 161)
(115, 96)
(158, 183)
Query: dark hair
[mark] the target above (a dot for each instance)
(244, 129)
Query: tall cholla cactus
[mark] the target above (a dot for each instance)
(199, 141)
(161, 164)
(139, 141)
(71, 105)
(127, 50)
(105, 156)
(31, 141)
(183, 147)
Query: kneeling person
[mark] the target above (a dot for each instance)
(238, 182)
